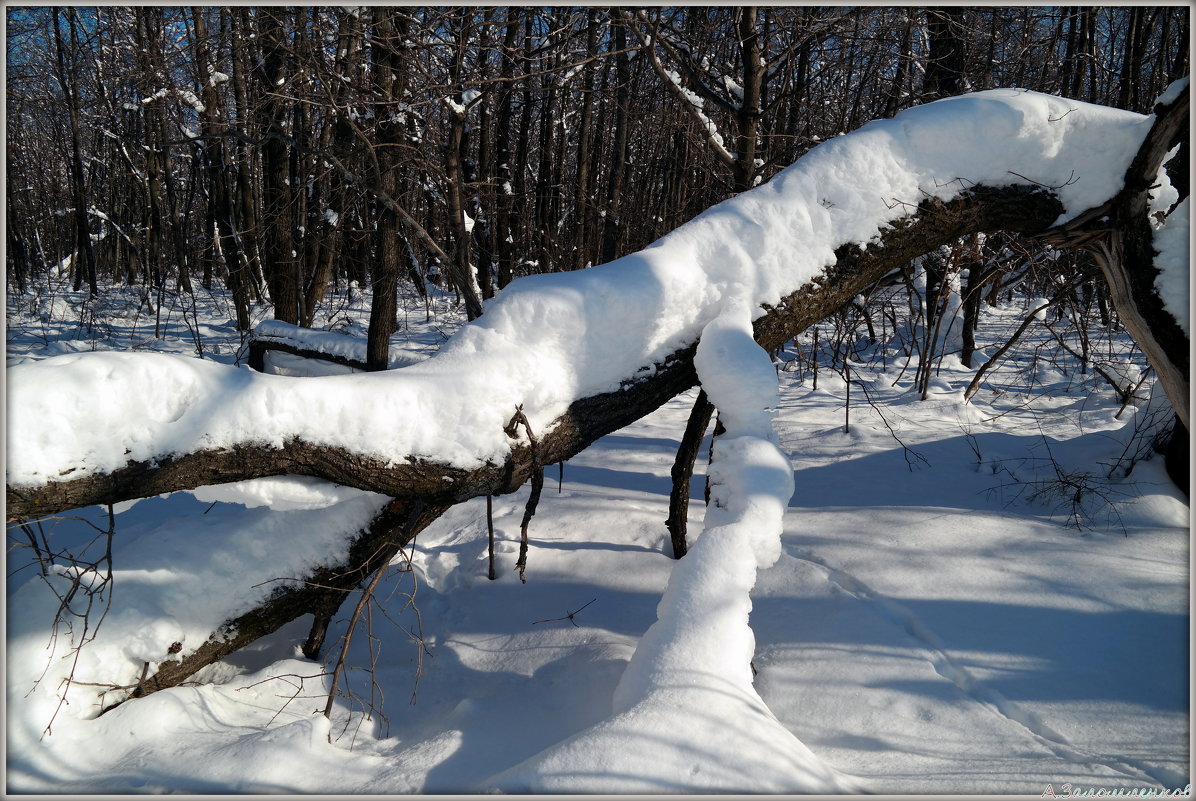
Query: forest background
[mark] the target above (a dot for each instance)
(288, 152)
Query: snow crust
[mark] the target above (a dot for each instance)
(1172, 92)
(283, 493)
(550, 339)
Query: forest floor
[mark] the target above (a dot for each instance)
(966, 601)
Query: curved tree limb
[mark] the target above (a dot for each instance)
(587, 419)
(422, 486)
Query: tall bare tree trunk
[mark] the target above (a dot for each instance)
(281, 257)
(220, 201)
(504, 235)
(387, 47)
(582, 203)
(747, 116)
(612, 229)
(84, 263)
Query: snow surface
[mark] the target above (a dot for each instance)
(550, 339)
(1172, 92)
(928, 630)
(333, 343)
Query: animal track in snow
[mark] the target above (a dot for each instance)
(953, 672)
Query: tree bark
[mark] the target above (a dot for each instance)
(582, 196)
(455, 151)
(247, 194)
(945, 61)
(281, 256)
(613, 227)
(84, 263)
(504, 240)
(386, 57)
(749, 112)
(219, 192)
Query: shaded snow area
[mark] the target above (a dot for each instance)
(550, 339)
(923, 620)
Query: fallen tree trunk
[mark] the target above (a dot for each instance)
(424, 491)
(1014, 208)
(1120, 236)
(423, 487)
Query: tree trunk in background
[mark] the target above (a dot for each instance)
(455, 151)
(220, 201)
(547, 190)
(17, 256)
(897, 93)
(247, 194)
(387, 45)
(479, 172)
(524, 209)
(151, 202)
(747, 116)
(612, 229)
(280, 256)
(330, 223)
(978, 272)
(504, 239)
(945, 61)
(306, 186)
(84, 263)
(582, 197)
(1138, 25)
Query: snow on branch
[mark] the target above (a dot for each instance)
(692, 103)
(697, 655)
(98, 427)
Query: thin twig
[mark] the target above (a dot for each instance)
(569, 616)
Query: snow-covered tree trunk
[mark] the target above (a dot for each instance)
(257, 453)
(1121, 235)
(697, 655)
(586, 353)
(253, 445)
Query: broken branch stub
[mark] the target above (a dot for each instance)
(512, 429)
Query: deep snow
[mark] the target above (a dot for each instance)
(964, 609)
(926, 630)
